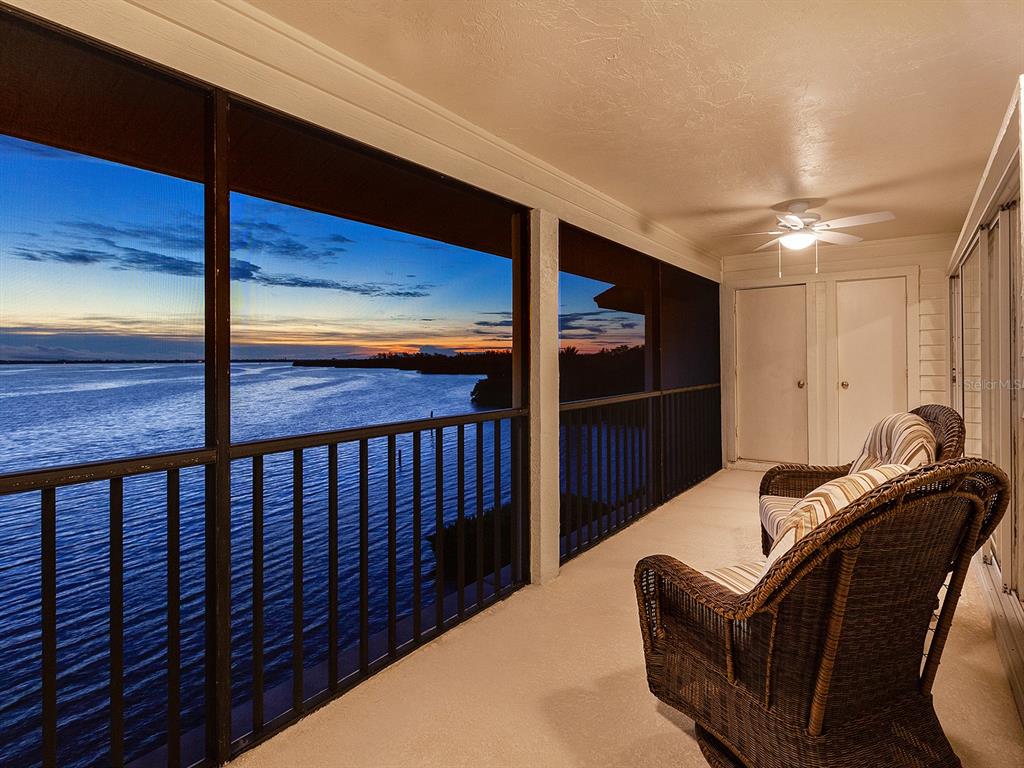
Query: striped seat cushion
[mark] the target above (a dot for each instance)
(739, 578)
(902, 438)
(774, 511)
(827, 500)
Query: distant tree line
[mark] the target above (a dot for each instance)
(582, 376)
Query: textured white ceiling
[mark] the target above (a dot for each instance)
(701, 115)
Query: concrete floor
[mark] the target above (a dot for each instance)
(554, 675)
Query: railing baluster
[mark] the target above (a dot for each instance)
(516, 425)
(479, 538)
(635, 469)
(599, 438)
(682, 455)
(257, 594)
(565, 510)
(439, 526)
(392, 552)
(630, 461)
(497, 508)
(297, 602)
(609, 474)
(173, 619)
(332, 567)
(460, 520)
(668, 456)
(48, 579)
(691, 435)
(621, 464)
(364, 555)
(577, 523)
(591, 475)
(116, 538)
(563, 484)
(417, 534)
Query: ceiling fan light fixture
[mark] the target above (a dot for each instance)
(797, 241)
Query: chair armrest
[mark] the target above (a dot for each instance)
(797, 480)
(662, 580)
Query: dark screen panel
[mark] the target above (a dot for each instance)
(584, 253)
(60, 91)
(689, 329)
(282, 159)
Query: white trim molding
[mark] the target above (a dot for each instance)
(231, 44)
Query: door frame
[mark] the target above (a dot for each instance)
(822, 355)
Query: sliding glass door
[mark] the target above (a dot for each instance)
(986, 315)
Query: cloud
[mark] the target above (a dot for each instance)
(255, 236)
(494, 323)
(183, 235)
(266, 237)
(594, 322)
(63, 256)
(602, 326)
(121, 257)
(147, 261)
(246, 271)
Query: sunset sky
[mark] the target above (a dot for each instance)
(103, 261)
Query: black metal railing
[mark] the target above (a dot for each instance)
(349, 549)
(622, 456)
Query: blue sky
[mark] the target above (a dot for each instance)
(101, 260)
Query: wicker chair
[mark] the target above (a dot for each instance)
(797, 480)
(820, 664)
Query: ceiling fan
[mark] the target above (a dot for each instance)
(798, 228)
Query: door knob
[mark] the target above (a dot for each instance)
(845, 385)
(801, 384)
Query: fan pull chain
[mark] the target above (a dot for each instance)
(780, 258)
(815, 255)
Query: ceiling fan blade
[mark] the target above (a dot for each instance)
(748, 234)
(769, 244)
(838, 238)
(855, 221)
(791, 220)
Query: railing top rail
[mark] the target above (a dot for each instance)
(595, 402)
(318, 439)
(75, 474)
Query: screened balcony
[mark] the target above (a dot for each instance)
(331, 438)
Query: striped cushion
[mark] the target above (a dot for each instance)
(774, 511)
(902, 438)
(739, 578)
(825, 501)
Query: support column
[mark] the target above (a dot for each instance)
(543, 350)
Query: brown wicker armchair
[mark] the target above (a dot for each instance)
(820, 664)
(797, 480)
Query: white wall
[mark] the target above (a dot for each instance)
(924, 258)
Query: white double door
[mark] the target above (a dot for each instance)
(816, 365)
